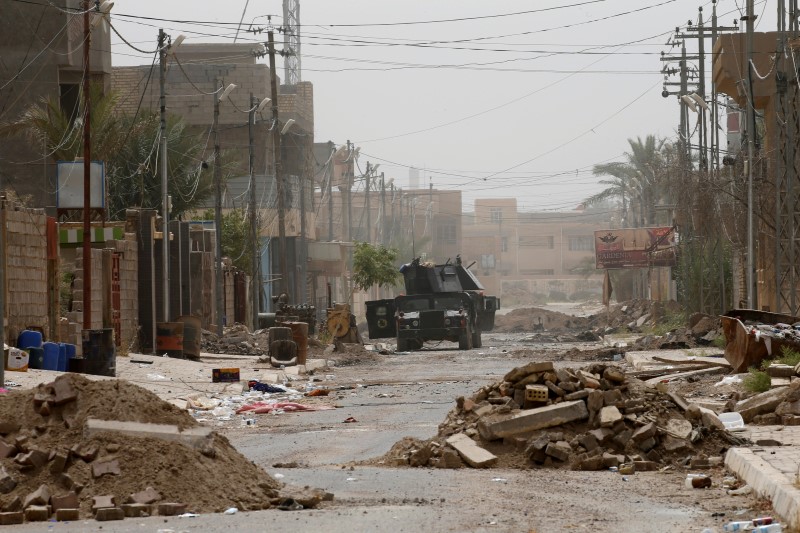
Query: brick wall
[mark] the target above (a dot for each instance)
(26, 270)
(128, 289)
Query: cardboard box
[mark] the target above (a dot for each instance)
(225, 375)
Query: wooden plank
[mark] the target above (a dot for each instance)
(691, 360)
(669, 377)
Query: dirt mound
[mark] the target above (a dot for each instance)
(535, 319)
(623, 423)
(45, 442)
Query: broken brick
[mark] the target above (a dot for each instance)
(59, 462)
(87, 453)
(64, 393)
(645, 432)
(35, 458)
(171, 509)
(560, 450)
(7, 450)
(8, 427)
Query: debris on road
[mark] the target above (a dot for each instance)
(89, 448)
(591, 418)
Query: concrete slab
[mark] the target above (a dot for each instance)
(196, 437)
(473, 455)
(532, 419)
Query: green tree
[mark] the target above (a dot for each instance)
(129, 145)
(235, 238)
(374, 265)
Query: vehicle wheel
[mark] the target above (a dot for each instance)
(465, 340)
(477, 342)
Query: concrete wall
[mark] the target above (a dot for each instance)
(128, 289)
(26, 271)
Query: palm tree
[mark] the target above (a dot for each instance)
(128, 145)
(639, 182)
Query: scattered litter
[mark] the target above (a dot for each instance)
(266, 407)
(141, 362)
(350, 420)
(698, 481)
(732, 421)
(742, 491)
(729, 380)
(188, 515)
(231, 510)
(10, 383)
(318, 392)
(278, 476)
(157, 377)
(266, 387)
(351, 479)
(500, 480)
(289, 504)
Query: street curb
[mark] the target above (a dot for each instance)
(768, 482)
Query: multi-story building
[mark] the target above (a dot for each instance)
(522, 255)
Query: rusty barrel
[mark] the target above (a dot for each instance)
(300, 337)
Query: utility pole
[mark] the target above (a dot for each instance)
(750, 132)
(302, 296)
(368, 206)
(278, 156)
(218, 211)
(87, 164)
(332, 149)
(384, 240)
(255, 282)
(349, 193)
(162, 55)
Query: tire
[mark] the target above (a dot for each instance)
(465, 340)
(477, 342)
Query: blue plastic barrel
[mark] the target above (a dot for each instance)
(62, 357)
(51, 352)
(35, 358)
(29, 338)
(71, 352)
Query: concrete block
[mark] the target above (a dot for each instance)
(577, 395)
(7, 483)
(65, 501)
(63, 391)
(35, 458)
(172, 508)
(109, 513)
(518, 373)
(37, 513)
(68, 515)
(532, 419)
(136, 510)
(609, 416)
(103, 467)
(59, 462)
(560, 450)
(470, 452)
(196, 437)
(645, 432)
(40, 496)
(102, 502)
(760, 403)
(11, 518)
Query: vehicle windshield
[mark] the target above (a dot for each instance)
(448, 302)
(415, 304)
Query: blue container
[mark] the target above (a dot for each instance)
(35, 358)
(62, 357)
(71, 352)
(51, 352)
(29, 338)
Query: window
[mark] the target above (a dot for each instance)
(496, 215)
(536, 241)
(581, 243)
(504, 244)
(487, 261)
(446, 233)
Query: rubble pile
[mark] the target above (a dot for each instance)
(701, 330)
(633, 314)
(525, 320)
(76, 448)
(236, 340)
(587, 419)
(780, 405)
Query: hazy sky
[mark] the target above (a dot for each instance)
(520, 99)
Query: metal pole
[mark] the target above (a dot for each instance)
(332, 148)
(87, 164)
(276, 143)
(383, 211)
(162, 53)
(218, 212)
(255, 285)
(368, 206)
(750, 130)
(302, 286)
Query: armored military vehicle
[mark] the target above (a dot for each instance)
(442, 302)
